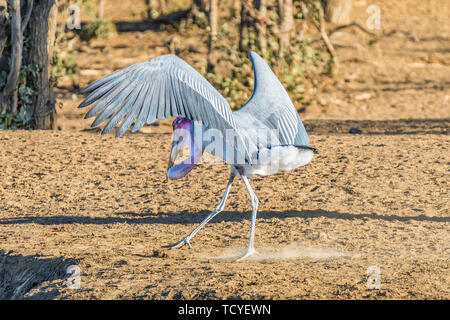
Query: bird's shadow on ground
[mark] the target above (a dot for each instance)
(32, 276)
(186, 217)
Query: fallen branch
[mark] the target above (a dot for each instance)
(177, 15)
(353, 24)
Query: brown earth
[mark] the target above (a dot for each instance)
(105, 203)
(379, 198)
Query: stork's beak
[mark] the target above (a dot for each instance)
(180, 138)
(177, 144)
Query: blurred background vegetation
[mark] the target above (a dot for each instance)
(289, 34)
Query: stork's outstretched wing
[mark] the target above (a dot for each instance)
(158, 88)
(271, 107)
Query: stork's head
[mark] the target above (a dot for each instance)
(183, 133)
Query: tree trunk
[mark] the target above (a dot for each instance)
(4, 26)
(304, 27)
(242, 23)
(213, 17)
(150, 9)
(287, 25)
(261, 25)
(27, 14)
(41, 30)
(101, 9)
(9, 96)
(162, 7)
(212, 35)
(237, 10)
(338, 11)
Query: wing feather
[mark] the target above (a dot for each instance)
(97, 83)
(153, 106)
(103, 103)
(158, 88)
(101, 91)
(134, 112)
(143, 113)
(122, 111)
(271, 108)
(111, 106)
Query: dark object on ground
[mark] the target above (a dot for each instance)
(355, 130)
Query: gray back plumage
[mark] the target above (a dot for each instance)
(271, 107)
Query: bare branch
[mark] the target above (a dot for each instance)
(325, 38)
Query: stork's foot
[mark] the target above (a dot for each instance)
(250, 252)
(178, 244)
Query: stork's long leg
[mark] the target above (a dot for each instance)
(216, 210)
(255, 202)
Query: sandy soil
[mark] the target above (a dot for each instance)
(105, 204)
(379, 198)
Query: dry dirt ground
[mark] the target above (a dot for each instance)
(378, 200)
(104, 205)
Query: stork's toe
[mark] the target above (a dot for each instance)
(250, 253)
(179, 244)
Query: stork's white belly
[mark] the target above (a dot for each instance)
(282, 158)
